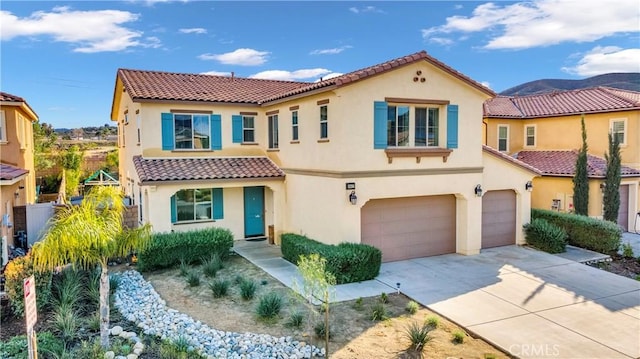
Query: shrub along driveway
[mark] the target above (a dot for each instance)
(529, 303)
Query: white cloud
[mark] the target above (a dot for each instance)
(290, 75)
(242, 57)
(333, 51)
(193, 30)
(365, 9)
(543, 22)
(88, 31)
(216, 73)
(602, 60)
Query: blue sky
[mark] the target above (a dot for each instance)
(62, 56)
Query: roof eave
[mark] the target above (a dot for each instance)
(208, 181)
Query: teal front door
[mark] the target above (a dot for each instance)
(253, 211)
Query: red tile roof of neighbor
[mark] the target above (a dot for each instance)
(7, 97)
(8, 172)
(157, 85)
(559, 103)
(186, 169)
(563, 163)
(508, 158)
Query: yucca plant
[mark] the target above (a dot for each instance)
(295, 320)
(248, 289)
(65, 323)
(378, 312)
(219, 288)
(418, 335)
(68, 289)
(193, 278)
(212, 265)
(269, 305)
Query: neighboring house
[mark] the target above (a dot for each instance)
(389, 155)
(17, 174)
(544, 130)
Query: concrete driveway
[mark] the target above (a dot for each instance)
(530, 304)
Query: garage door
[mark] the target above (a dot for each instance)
(498, 218)
(410, 227)
(623, 212)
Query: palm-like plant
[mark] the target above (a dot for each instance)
(88, 235)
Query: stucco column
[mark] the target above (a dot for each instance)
(469, 224)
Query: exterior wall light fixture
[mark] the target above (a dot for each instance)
(353, 198)
(478, 191)
(528, 186)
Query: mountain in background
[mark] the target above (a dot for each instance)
(624, 81)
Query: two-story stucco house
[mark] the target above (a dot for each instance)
(544, 131)
(17, 174)
(389, 155)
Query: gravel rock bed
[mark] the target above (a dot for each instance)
(138, 302)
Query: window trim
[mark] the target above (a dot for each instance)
(526, 135)
(3, 128)
(624, 131)
(192, 114)
(252, 129)
(324, 121)
(436, 128)
(195, 203)
(138, 126)
(506, 139)
(295, 126)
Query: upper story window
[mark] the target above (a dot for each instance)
(503, 138)
(3, 127)
(618, 128)
(424, 131)
(294, 125)
(426, 126)
(530, 135)
(22, 132)
(324, 122)
(248, 129)
(398, 126)
(138, 125)
(273, 131)
(192, 131)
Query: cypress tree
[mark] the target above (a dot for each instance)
(611, 198)
(581, 178)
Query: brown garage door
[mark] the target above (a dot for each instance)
(410, 227)
(623, 212)
(498, 218)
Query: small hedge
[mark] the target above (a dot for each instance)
(348, 262)
(546, 236)
(15, 272)
(584, 232)
(169, 249)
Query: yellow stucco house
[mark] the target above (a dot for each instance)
(17, 174)
(544, 131)
(390, 155)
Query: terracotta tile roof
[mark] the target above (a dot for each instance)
(381, 68)
(187, 169)
(563, 163)
(8, 172)
(508, 158)
(559, 103)
(10, 98)
(157, 85)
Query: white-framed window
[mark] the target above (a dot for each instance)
(191, 131)
(194, 205)
(248, 129)
(273, 131)
(3, 128)
(420, 130)
(324, 122)
(294, 125)
(530, 135)
(503, 138)
(618, 128)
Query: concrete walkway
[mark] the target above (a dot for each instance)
(529, 303)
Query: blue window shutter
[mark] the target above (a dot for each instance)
(379, 124)
(218, 204)
(236, 124)
(167, 131)
(216, 132)
(452, 126)
(174, 216)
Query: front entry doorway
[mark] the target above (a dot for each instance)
(253, 212)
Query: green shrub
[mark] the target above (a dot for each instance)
(89, 350)
(433, 321)
(384, 298)
(193, 278)
(15, 272)
(412, 307)
(114, 282)
(295, 320)
(48, 347)
(167, 249)
(65, 323)
(584, 232)
(219, 288)
(378, 312)
(212, 265)
(348, 262)
(184, 268)
(357, 305)
(546, 236)
(321, 330)
(458, 336)
(627, 250)
(67, 287)
(418, 335)
(248, 289)
(269, 305)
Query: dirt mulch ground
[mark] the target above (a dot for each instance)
(624, 266)
(355, 335)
